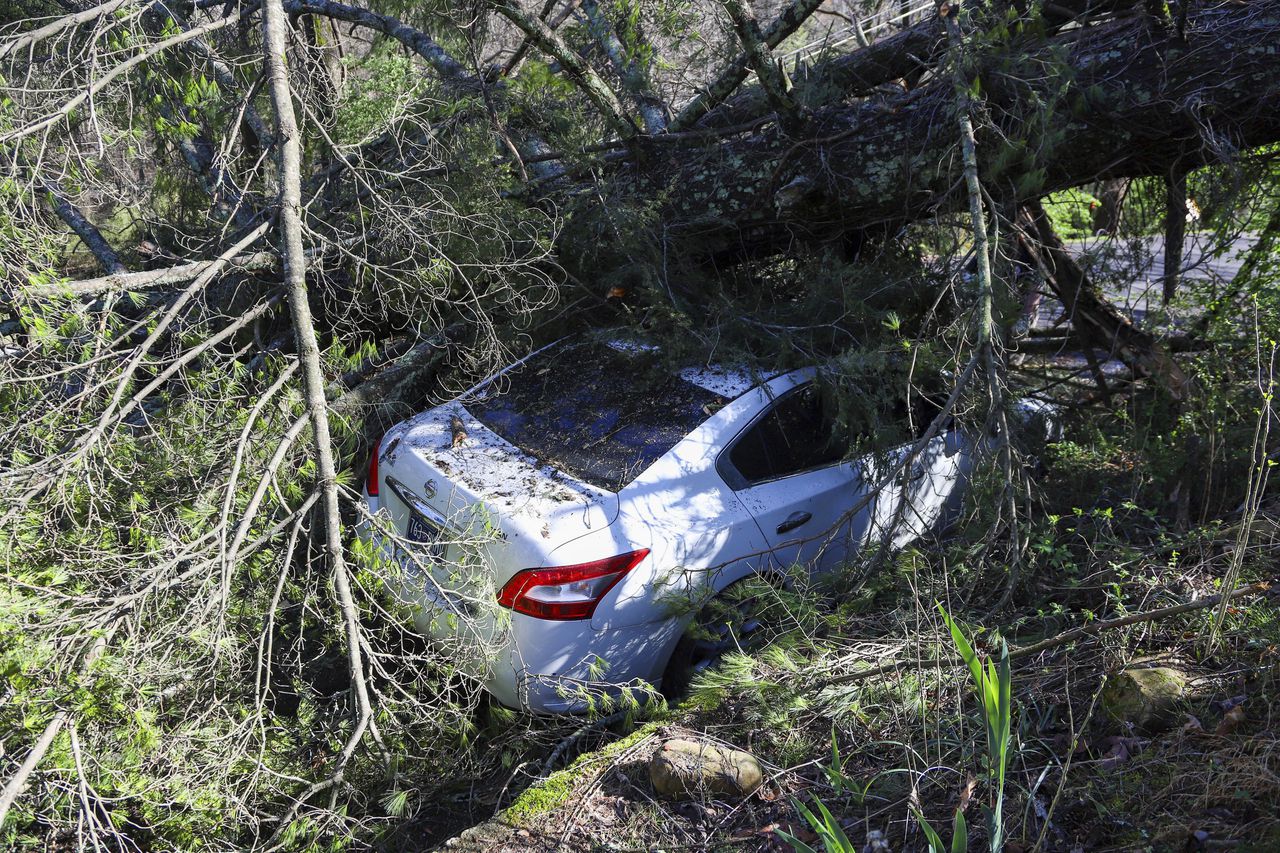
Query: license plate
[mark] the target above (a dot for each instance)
(426, 535)
(426, 562)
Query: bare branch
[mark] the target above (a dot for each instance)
(28, 39)
(100, 83)
(274, 36)
(579, 70)
(733, 75)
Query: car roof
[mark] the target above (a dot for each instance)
(724, 380)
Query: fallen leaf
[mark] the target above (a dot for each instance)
(1120, 750)
(1228, 704)
(966, 791)
(800, 833)
(459, 430)
(1230, 721)
(768, 793)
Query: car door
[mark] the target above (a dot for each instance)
(920, 499)
(786, 468)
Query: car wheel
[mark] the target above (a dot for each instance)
(725, 624)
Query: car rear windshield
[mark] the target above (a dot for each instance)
(596, 412)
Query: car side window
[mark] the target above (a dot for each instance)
(796, 434)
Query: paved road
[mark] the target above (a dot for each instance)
(1131, 271)
(1146, 254)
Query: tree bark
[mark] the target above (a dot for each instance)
(888, 162)
(275, 31)
(577, 69)
(634, 79)
(85, 230)
(416, 40)
(1106, 218)
(760, 59)
(1175, 230)
(731, 78)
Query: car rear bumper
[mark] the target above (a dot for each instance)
(569, 667)
(544, 666)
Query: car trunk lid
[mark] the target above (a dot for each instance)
(465, 481)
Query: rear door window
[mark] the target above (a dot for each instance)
(797, 434)
(597, 412)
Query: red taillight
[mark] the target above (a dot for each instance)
(567, 592)
(371, 482)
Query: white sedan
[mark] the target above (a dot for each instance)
(558, 513)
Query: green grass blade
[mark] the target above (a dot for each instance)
(959, 834)
(962, 645)
(834, 833)
(796, 844)
(935, 840)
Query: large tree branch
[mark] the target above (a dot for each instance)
(760, 59)
(543, 14)
(732, 76)
(1092, 317)
(416, 40)
(154, 279)
(634, 79)
(274, 31)
(85, 230)
(578, 69)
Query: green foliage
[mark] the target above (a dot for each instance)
(993, 684)
(384, 82)
(1071, 213)
(825, 825)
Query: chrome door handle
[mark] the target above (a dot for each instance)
(794, 520)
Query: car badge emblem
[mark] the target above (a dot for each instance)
(429, 489)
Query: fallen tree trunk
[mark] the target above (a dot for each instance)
(899, 58)
(1127, 100)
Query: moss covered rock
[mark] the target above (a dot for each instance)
(686, 768)
(1147, 697)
